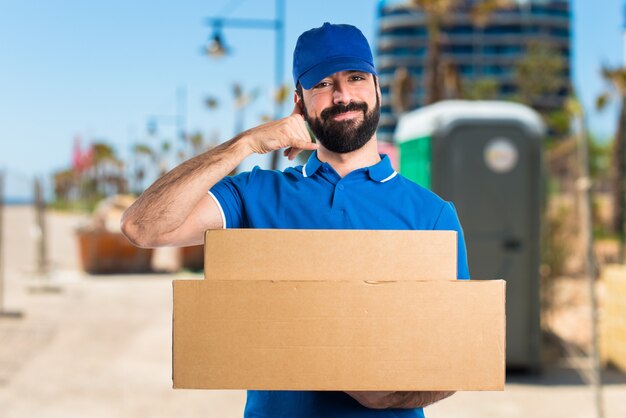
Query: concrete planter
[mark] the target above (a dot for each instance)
(104, 252)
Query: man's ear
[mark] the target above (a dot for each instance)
(378, 92)
(297, 100)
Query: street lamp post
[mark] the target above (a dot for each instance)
(178, 120)
(217, 47)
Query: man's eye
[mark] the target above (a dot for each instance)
(321, 85)
(357, 77)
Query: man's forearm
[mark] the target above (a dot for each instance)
(166, 204)
(414, 399)
(404, 400)
(164, 214)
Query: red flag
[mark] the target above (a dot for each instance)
(77, 155)
(87, 158)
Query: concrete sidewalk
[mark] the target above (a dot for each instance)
(101, 347)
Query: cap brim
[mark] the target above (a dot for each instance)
(324, 69)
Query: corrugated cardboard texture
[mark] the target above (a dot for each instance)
(339, 335)
(262, 254)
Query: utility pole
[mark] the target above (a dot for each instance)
(43, 263)
(42, 248)
(3, 312)
(179, 122)
(583, 189)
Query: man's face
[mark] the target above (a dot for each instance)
(343, 110)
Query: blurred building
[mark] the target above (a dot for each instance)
(474, 54)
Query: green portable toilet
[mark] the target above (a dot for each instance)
(485, 157)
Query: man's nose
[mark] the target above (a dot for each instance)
(341, 93)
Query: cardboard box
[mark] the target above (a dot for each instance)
(282, 254)
(337, 332)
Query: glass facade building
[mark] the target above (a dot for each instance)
(489, 51)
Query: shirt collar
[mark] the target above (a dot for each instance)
(383, 170)
(311, 166)
(380, 172)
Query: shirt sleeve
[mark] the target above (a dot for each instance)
(449, 221)
(229, 195)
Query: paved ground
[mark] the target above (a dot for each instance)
(100, 346)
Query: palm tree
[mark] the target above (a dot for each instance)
(64, 184)
(401, 91)
(102, 153)
(141, 153)
(108, 170)
(163, 162)
(280, 97)
(616, 79)
(437, 12)
(485, 88)
(242, 100)
(197, 143)
(539, 72)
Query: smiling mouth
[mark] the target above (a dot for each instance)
(351, 114)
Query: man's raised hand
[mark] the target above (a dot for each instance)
(289, 132)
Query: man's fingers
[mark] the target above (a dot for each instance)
(304, 131)
(289, 132)
(293, 153)
(302, 145)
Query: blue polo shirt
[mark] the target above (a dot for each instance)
(314, 196)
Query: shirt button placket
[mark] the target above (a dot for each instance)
(338, 197)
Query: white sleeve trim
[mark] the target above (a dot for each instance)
(304, 170)
(217, 202)
(392, 175)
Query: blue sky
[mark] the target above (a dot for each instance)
(101, 69)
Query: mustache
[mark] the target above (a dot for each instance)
(339, 109)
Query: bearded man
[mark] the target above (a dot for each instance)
(345, 184)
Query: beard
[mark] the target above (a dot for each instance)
(344, 136)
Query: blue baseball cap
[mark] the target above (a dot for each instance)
(329, 49)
